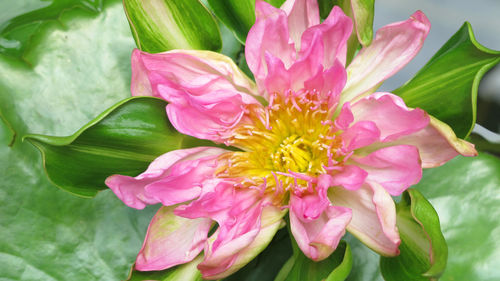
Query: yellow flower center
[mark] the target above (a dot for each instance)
(294, 153)
(286, 145)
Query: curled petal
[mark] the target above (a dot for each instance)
(395, 167)
(316, 226)
(394, 46)
(215, 201)
(350, 177)
(241, 215)
(185, 179)
(308, 66)
(214, 267)
(437, 144)
(132, 190)
(278, 78)
(194, 82)
(328, 82)
(208, 117)
(268, 34)
(390, 114)
(332, 35)
(361, 134)
(373, 216)
(345, 117)
(171, 240)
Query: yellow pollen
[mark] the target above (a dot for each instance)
(285, 145)
(294, 154)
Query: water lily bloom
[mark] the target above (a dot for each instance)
(316, 142)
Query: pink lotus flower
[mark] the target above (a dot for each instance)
(323, 148)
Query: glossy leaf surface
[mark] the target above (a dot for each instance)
(446, 87)
(423, 249)
(162, 25)
(69, 72)
(124, 139)
(75, 68)
(465, 194)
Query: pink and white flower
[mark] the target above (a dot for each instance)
(324, 148)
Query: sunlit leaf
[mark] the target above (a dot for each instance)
(124, 139)
(162, 25)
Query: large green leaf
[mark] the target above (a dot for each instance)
(21, 20)
(162, 25)
(48, 234)
(465, 193)
(73, 68)
(124, 139)
(446, 86)
(423, 249)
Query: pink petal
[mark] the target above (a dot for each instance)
(394, 46)
(335, 78)
(332, 35)
(345, 117)
(185, 179)
(316, 226)
(329, 82)
(216, 198)
(171, 240)
(195, 80)
(268, 34)
(239, 215)
(350, 177)
(359, 135)
(131, 190)
(278, 78)
(302, 14)
(307, 67)
(208, 117)
(437, 144)
(373, 216)
(216, 265)
(140, 85)
(322, 47)
(395, 168)
(390, 114)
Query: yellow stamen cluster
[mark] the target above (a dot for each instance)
(285, 145)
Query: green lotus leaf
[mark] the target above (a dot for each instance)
(124, 139)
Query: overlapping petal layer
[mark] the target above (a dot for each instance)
(323, 147)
